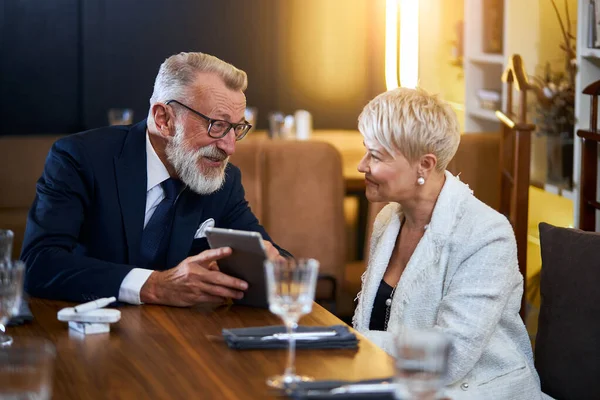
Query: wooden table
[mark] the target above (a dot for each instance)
(158, 352)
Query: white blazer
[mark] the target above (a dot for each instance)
(463, 279)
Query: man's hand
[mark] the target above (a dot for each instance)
(272, 252)
(195, 280)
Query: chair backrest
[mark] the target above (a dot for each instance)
(303, 201)
(515, 154)
(588, 200)
(566, 348)
(298, 189)
(249, 158)
(477, 163)
(22, 161)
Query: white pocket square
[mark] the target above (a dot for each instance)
(201, 232)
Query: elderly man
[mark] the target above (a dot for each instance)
(120, 211)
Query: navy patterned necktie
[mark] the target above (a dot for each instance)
(157, 233)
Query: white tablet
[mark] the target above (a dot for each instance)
(246, 262)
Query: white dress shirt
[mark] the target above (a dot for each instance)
(129, 292)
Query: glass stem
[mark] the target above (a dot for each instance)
(291, 326)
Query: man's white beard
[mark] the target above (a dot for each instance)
(187, 166)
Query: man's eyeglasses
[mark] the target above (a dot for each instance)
(217, 128)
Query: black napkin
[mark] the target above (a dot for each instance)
(24, 315)
(250, 338)
(317, 390)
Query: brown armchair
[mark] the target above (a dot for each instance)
(21, 164)
(296, 189)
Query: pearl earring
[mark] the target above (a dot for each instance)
(421, 181)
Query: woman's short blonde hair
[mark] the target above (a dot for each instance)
(413, 123)
(177, 72)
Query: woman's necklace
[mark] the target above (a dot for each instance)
(388, 306)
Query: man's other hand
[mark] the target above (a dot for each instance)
(272, 252)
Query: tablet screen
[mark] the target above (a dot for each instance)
(246, 262)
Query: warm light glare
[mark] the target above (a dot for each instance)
(391, 44)
(409, 43)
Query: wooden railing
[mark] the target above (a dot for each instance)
(515, 154)
(588, 200)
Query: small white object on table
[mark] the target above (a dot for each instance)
(90, 318)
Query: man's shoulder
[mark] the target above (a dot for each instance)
(98, 141)
(96, 137)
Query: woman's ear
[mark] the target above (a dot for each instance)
(164, 120)
(427, 165)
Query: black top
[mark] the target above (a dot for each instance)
(379, 308)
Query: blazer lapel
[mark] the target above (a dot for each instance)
(385, 240)
(425, 261)
(131, 177)
(188, 215)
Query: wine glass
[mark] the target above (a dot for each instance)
(26, 369)
(6, 245)
(11, 292)
(421, 363)
(120, 116)
(291, 291)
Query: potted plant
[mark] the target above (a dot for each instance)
(555, 110)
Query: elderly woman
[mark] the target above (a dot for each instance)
(439, 258)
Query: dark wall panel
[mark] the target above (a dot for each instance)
(39, 74)
(64, 63)
(125, 44)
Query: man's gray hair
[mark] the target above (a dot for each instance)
(413, 123)
(177, 72)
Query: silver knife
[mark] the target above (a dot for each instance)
(382, 387)
(300, 335)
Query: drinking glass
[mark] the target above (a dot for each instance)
(26, 369)
(11, 292)
(421, 363)
(291, 291)
(251, 115)
(120, 116)
(6, 245)
(276, 120)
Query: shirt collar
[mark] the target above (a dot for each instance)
(156, 170)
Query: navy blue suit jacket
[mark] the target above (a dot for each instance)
(85, 226)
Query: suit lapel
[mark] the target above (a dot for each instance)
(189, 211)
(131, 177)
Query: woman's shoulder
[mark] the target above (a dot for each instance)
(459, 212)
(481, 217)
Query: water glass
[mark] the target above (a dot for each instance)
(6, 245)
(276, 121)
(421, 363)
(120, 116)
(291, 291)
(11, 293)
(26, 369)
(251, 115)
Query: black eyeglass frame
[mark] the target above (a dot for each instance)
(211, 121)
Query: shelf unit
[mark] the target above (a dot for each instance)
(482, 70)
(484, 58)
(483, 114)
(588, 62)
